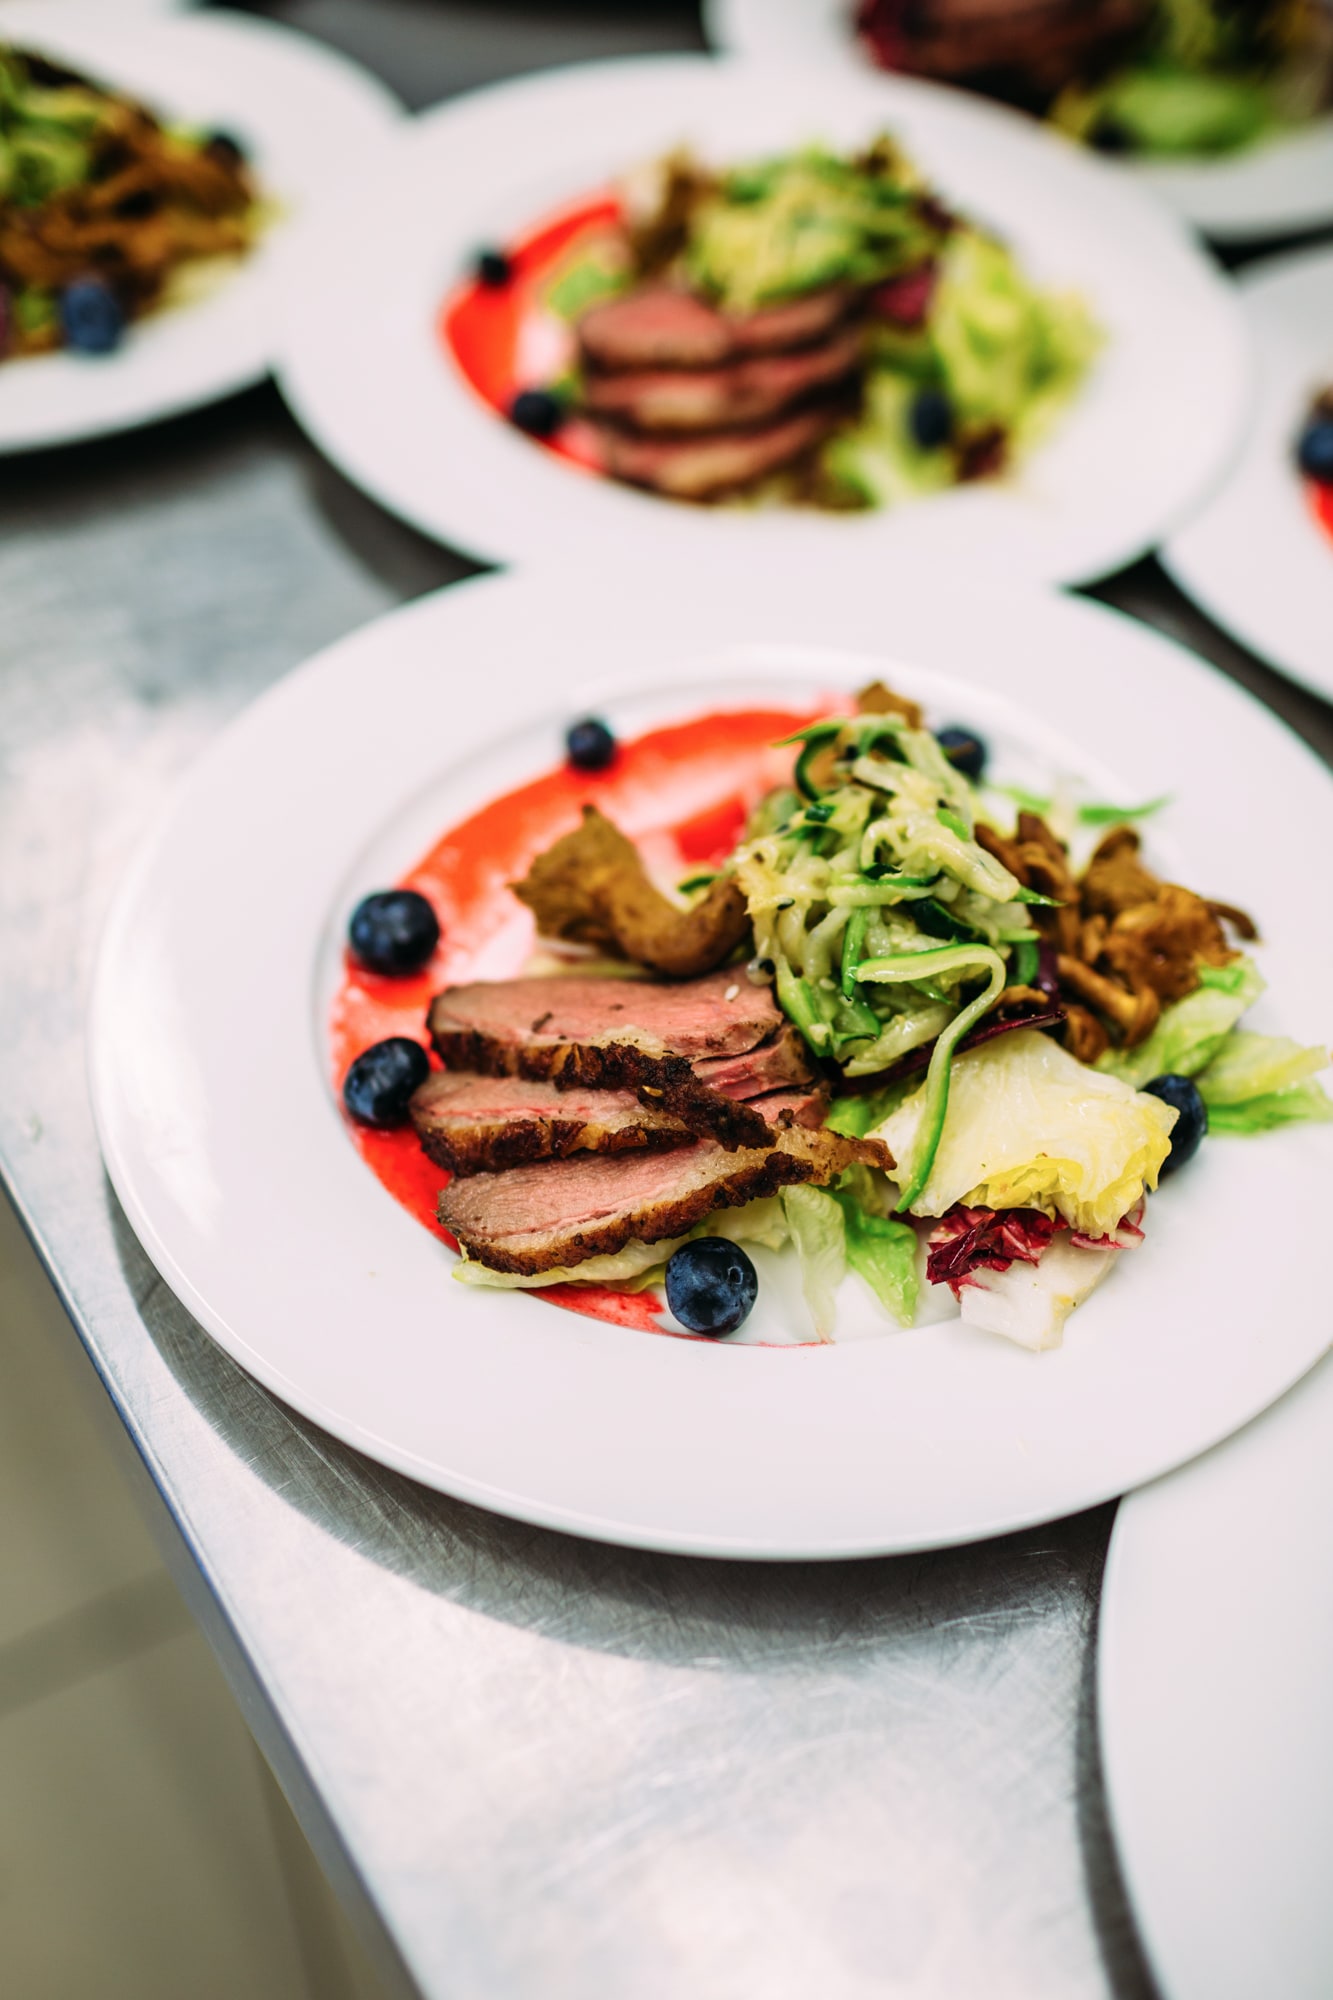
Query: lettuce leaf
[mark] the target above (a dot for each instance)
(633, 1268)
(882, 1250)
(1192, 1030)
(1029, 1127)
(1257, 1082)
(1301, 1103)
(819, 1232)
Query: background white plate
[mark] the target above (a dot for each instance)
(365, 372)
(1279, 187)
(1254, 557)
(223, 1140)
(308, 115)
(1215, 1664)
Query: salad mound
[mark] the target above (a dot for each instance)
(816, 328)
(912, 1026)
(103, 207)
(1163, 78)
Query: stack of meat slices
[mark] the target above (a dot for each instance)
(695, 403)
(579, 1115)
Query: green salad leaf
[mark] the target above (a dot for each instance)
(1257, 1082)
(1192, 1030)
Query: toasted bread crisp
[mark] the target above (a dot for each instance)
(876, 699)
(592, 888)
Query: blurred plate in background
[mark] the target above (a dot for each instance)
(1256, 557)
(1215, 1664)
(303, 112)
(1274, 189)
(366, 370)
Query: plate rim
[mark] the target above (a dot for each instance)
(1178, 554)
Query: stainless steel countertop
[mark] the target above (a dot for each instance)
(537, 1769)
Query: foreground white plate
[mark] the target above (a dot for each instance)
(221, 1135)
(1255, 557)
(1282, 186)
(365, 372)
(1216, 1659)
(305, 113)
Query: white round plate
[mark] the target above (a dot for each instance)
(305, 112)
(1273, 190)
(1215, 1662)
(1255, 557)
(210, 1080)
(366, 373)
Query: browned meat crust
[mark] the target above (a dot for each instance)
(592, 887)
(549, 1217)
(480, 1124)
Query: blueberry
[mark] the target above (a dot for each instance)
(394, 932)
(1314, 453)
(537, 412)
(493, 269)
(1182, 1094)
(91, 316)
(589, 744)
(930, 419)
(225, 148)
(711, 1285)
(1110, 135)
(965, 750)
(378, 1087)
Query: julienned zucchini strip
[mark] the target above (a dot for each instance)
(909, 967)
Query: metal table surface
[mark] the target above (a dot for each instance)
(537, 1769)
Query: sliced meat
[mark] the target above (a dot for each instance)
(773, 1064)
(548, 1217)
(707, 399)
(792, 1107)
(661, 326)
(483, 1124)
(702, 468)
(776, 329)
(480, 1124)
(613, 1034)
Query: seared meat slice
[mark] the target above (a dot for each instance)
(707, 399)
(659, 326)
(482, 1124)
(545, 1218)
(479, 1124)
(773, 1064)
(702, 468)
(614, 1034)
